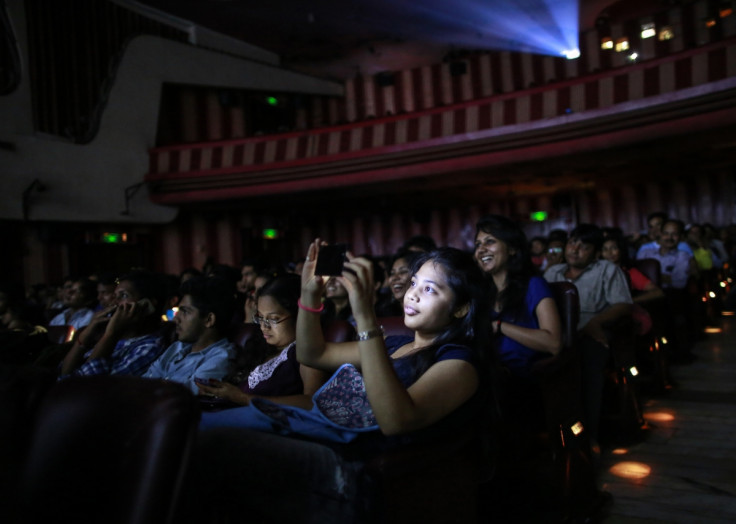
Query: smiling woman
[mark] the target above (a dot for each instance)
(525, 317)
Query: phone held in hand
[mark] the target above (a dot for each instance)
(331, 259)
(202, 381)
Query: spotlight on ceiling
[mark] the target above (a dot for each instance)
(571, 54)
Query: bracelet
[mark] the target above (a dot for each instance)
(371, 333)
(320, 309)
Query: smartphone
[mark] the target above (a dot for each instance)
(203, 381)
(330, 260)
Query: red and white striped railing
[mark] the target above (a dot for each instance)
(217, 169)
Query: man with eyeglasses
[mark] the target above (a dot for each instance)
(202, 350)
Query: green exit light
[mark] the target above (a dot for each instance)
(270, 234)
(112, 238)
(272, 100)
(538, 216)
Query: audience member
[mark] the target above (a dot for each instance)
(61, 291)
(189, 273)
(79, 302)
(712, 240)
(338, 301)
(202, 323)
(525, 321)
(22, 337)
(525, 317)
(413, 383)
(267, 368)
(677, 265)
(604, 299)
(656, 222)
(555, 253)
(106, 285)
(705, 258)
(642, 289)
(398, 282)
(538, 251)
(419, 243)
(126, 336)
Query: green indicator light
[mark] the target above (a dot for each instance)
(270, 234)
(272, 101)
(111, 238)
(538, 216)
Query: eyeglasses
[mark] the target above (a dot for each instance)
(268, 322)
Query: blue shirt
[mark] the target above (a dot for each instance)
(682, 246)
(512, 354)
(78, 319)
(674, 263)
(131, 356)
(179, 364)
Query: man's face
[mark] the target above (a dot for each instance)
(655, 227)
(247, 279)
(106, 294)
(190, 325)
(65, 292)
(670, 236)
(76, 296)
(580, 254)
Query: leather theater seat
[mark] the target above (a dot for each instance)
(108, 449)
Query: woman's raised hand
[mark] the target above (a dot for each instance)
(358, 280)
(312, 285)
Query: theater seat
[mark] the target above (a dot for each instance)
(22, 388)
(546, 469)
(108, 449)
(244, 332)
(338, 330)
(573, 470)
(60, 334)
(650, 348)
(394, 326)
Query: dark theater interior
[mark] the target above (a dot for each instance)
(531, 318)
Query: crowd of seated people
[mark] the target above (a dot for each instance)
(481, 319)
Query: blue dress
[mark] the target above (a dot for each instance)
(515, 356)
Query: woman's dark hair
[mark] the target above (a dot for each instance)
(422, 243)
(407, 255)
(623, 248)
(286, 290)
(519, 267)
(469, 287)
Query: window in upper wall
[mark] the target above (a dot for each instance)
(607, 43)
(647, 30)
(666, 33)
(622, 44)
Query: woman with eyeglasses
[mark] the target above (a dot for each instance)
(268, 367)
